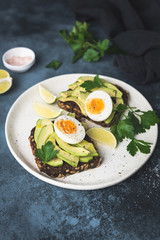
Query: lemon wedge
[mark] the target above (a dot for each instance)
(4, 74)
(46, 95)
(103, 136)
(46, 111)
(5, 81)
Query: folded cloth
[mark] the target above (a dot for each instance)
(131, 25)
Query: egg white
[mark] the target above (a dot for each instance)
(107, 108)
(72, 138)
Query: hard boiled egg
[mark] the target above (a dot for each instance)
(69, 129)
(98, 105)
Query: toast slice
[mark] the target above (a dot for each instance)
(73, 107)
(65, 169)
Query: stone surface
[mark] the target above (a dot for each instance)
(32, 209)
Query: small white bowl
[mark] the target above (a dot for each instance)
(20, 52)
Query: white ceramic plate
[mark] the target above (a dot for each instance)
(117, 164)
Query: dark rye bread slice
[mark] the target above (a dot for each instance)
(74, 108)
(65, 169)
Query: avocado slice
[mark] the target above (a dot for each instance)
(43, 135)
(85, 78)
(109, 119)
(77, 151)
(76, 100)
(111, 86)
(66, 93)
(82, 96)
(118, 101)
(71, 114)
(39, 124)
(89, 146)
(110, 91)
(74, 85)
(79, 81)
(37, 129)
(65, 156)
(68, 158)
(85, 159)
(56, 162)
(77, 90)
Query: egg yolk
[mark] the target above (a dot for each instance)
(66, 126)
(95, 105)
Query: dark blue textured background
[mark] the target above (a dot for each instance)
(32, 209)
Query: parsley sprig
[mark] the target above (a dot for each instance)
(136, 121)
(84, 45)
(54, 64)
(47, 152)
(88, 85)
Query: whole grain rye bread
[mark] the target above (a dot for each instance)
(65, 169)
(72, 107)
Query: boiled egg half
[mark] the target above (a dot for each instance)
(69, 129)
(98, 105)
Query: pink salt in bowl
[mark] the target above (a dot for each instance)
(19, 59)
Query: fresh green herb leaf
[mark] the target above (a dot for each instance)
(53, 154)
(88, 85)
(132, 148)
(47, 149)
(47, 152)
(125, 129)
(54, 64)
(121, 108)
(115, 133)
(64, 34)
(76, 47)
(91, 55)
(136, 121)
(83, 43)
(143, 142)
(136, 145)
(77, 55)
(137, 110)
(103, 46)
(97, 80)
(40, 154)
(149, 119)
(144, 148)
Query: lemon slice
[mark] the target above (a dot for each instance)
(46, 95)
(103, 136)
(5, 81)
(46, 111)
(4, 74)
